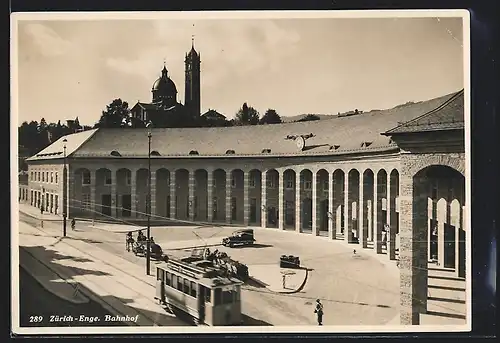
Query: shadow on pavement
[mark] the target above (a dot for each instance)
(250, 321)
(53, 257)
(34, 304)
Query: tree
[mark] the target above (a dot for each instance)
(309, 117)
(117, 114)
(270, 117)
(247, 115)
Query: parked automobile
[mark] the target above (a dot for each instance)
(240, 237)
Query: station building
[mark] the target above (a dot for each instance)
(389, 180)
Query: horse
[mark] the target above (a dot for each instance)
(129, 241)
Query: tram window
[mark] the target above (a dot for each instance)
(237, 294)
(193, 289)
(179, 283)
(217, 296)
(158, 274)
(174, 281)
(167, 278)
(186, 286)
(208, 294)
(227, 297)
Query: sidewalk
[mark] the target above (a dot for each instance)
(35, 212)
(116, 283)
(50, 280)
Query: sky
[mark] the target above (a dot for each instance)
(74, 68)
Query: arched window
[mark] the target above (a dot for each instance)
(85, 177)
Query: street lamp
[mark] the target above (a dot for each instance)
(148, 204)
(64, 180)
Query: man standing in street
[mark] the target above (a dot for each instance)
(319, 311)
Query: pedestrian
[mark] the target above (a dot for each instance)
(319, 311)
(284, 281)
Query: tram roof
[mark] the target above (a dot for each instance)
(340, 135)
(209, 277)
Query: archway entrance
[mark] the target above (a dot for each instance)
(307, 214)
(438, 203)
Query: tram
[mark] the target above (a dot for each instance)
(201, 289)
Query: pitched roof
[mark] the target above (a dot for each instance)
(213, 114)
(146, 106)
(56, 150)
(339, 135)
(448, 116)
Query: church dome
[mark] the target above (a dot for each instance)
(164, 84)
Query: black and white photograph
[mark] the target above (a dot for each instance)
(240, 171)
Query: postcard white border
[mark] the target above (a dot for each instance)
(358, 14)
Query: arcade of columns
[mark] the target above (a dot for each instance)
(423, 195)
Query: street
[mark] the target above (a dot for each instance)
(354, 290)
(37, 305)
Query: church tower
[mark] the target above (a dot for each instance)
(193, 88)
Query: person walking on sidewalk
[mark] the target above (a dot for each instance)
(319, 312)
(73, 223)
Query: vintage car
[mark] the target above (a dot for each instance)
(240, 237)
(289, 261)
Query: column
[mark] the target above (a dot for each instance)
(362, 229)
(246, 200)
(114, 200)
(173, 202)
(331, 230)
(391, 217)
(298, 205)
(441, 219)
(461, 266)
(92, 207)
(153, 194)
(210, 200)
(133, 193)
(191, 186)
(281, 214)
(389, 239)
(263, 210)
(229, 178)
(413, 251)
(347, 212)
(377, 234)
(314, 203)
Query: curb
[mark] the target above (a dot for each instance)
(296, 290)
(42, 283)
(38, 218)
(90, 295)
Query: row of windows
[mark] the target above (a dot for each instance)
(49, 202)
(190, 288)
(44, 176)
